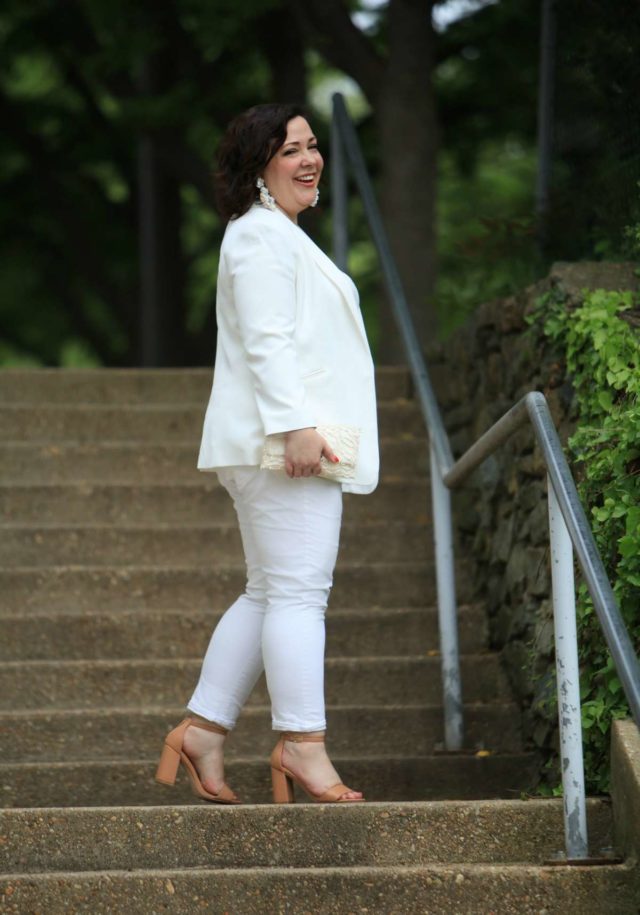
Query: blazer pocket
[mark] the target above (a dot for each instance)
(313, 372)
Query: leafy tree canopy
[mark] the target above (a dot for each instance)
(83, 82)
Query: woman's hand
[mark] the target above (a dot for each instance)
(303, 450)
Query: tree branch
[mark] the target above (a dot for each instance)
(330, 29)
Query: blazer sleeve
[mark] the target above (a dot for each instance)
(262, 270)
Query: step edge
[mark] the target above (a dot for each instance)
(362, 869)
(253, 761)
(78, 663)
(291, 810)
(26, 527)
(333, 615)
(147, 710)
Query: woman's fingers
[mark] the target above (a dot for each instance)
(304, 448)
(328, 452)
(302, 470)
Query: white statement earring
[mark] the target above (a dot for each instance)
(265, 197)
(316, 198)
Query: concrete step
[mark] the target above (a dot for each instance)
(151, 422)
(356, 585)
(136, 462)
(186, 633)
(185, 503)
(143, 386)
(106, 783)
(130, 684)
(327, 835)
(396, 890)
(191, 544)
(101, 734)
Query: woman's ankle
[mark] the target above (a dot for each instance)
(299, 736)
(198, 717)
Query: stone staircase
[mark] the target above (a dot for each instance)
(116, 559)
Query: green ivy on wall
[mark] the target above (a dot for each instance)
(602, 351)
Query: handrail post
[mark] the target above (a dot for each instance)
(339, 198)
(346, 148)
(447, 622)
(604, 601)
(568, 524)
(568, 681)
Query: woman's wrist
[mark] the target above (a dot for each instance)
(294, 431)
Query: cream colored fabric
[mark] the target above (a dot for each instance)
(344, 441)
(292, 350)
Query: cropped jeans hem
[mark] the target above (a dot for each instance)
(211, 715)
(299, 728)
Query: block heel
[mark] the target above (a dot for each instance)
(282, 787)
(167, 770)
(173, 754)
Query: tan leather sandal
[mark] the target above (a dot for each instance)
(173, 754)
(282, 779)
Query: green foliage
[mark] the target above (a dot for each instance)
(597, 149)
(602, 352)
(547, 790)
(82, 82)
(631, 245)
(486, 242)
(75, 107)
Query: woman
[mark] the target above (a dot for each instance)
(292, 354)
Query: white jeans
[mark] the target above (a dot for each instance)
(290, 533)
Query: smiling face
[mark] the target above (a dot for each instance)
(293, 173)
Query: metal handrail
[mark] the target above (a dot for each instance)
(534, 407)
(343, 135)
(345, 131)
(568, 524)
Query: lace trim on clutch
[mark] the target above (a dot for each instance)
(344, 441)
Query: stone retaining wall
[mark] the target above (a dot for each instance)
(501, 514)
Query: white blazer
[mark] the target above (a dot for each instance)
(292, 350)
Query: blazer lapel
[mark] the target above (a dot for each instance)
(341, 280)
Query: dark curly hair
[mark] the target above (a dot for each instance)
(249, 143)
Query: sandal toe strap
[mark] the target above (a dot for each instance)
(334, 793)
(226, 794)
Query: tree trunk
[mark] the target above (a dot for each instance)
(284, 49)
(399, 88)
(405, 114)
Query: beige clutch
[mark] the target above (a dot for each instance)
(344, 441)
